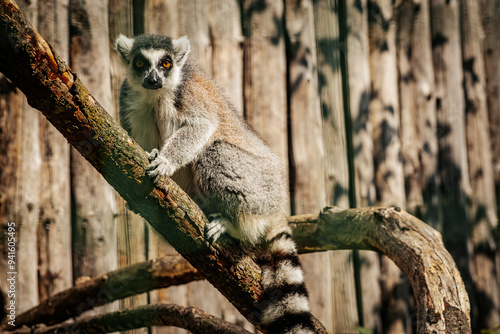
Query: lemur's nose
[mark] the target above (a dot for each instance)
(152, 81)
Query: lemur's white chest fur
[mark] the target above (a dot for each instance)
(153, 117)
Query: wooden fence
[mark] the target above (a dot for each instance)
(368, 102)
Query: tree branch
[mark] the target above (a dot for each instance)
(50, 86)
(190, 318)
(416, 248)
(125, 282)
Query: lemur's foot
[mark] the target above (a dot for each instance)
(159, 165)
(216, 227)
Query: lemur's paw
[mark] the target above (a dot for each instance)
(153, 154)
(159, 166)
(216, 227)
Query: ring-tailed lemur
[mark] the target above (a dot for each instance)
(172, 109)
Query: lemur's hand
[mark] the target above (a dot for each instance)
(159, 165)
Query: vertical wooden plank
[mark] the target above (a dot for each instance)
(20, 185)
(28, 192)
(161, 17)
(326, 26)
(94, 201)
(424, 109)
(227, 48)
(11, 100)
(307, 158)
(389, 177)
(490, 13)
(409, 141)
(361, 131)
(54, 226)
(453, 167)
(193, 22)
(483, 210)
(265, 72)
(131, 238)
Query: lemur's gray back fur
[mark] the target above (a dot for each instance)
(178, 113)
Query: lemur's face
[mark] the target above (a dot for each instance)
(153, 62)
(152, 68)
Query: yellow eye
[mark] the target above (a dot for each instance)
(139, 63)
(167, 64)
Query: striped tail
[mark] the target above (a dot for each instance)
(284, 303)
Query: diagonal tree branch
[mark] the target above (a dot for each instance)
(190, 318)
(50, 86)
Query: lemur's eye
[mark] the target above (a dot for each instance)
(139, 63)
(166, 64)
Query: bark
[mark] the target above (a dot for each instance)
(190, 318)
(359, 90)
(483, 210)
(30, 63)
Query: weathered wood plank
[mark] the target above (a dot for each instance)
(359, 86)
(20, 184)
(54, 225)
(307, 157)
(336, 182)
(389, 176)
(265, 72)
(94, 201)
(483, 210)
(453, 167)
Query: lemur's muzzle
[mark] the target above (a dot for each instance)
(152, 81)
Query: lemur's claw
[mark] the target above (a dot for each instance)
(159, 166)
(216, 227)
(153, 154)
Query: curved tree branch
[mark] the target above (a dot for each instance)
(190, 318)
(416, 248)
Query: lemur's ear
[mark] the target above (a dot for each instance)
(123, 44)
(181, 48)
